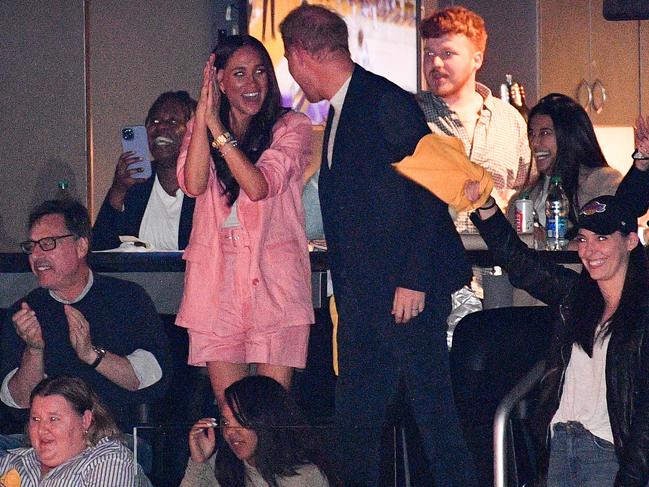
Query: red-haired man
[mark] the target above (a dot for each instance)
(494, 134)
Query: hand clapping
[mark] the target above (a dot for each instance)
(28, 328)
(209, 102)
(79, 331)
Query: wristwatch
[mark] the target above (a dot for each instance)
(638, 155)
(101, 353)
(221, 140)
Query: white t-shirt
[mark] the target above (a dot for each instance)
(232, 220)
(161, 220)
(584, 391)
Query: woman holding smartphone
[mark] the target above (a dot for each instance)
(247, 296)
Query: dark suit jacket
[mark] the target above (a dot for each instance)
(110, 223)
(383, 231)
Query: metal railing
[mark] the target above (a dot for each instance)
(502, 417)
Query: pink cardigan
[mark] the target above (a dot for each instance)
(274, 227)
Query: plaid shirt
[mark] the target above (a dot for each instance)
(107, 464)
(499, 143)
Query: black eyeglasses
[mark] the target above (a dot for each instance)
(46, 243)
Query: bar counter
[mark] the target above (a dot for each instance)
(161, 273)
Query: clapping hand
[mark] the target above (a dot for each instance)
(209, 102)
(28, 328)
(79, 332)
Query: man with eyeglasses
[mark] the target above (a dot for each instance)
(153, 209)
(99, 328)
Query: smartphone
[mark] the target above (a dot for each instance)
(134, 139)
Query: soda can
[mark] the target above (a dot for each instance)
(524, 216)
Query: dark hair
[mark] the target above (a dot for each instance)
(576, 143)
(261, 404)
(586, 302)
(455, 20)
(187, 103)
(76, 217)
(315, 28)
(82, 398)
(259, 135)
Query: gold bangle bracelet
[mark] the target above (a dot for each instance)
(222, 139)
(225, 138)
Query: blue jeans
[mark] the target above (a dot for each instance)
(580, 459)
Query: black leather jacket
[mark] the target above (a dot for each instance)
(627, 360)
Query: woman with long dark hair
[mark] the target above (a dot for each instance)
(247, 297)
(593, 415)
(563, 143)
(267, 442)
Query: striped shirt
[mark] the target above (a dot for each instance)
(499, 143)
(107, 464)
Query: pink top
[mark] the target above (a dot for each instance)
(274, 229)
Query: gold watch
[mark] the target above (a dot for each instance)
(221, 140)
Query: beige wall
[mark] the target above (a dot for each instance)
(42, 101)
(135, 51)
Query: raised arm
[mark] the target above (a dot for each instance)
(635, 185)
(196, 167)
(527, 269)
(251, 180)
(289, 153)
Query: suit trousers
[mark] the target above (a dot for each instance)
(376, 355)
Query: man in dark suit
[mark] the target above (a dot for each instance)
(153, 209)
(394, 255)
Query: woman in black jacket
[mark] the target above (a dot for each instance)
(593, 417)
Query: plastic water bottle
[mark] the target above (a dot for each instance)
(556, 216)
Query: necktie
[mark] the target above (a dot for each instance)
(330, 136)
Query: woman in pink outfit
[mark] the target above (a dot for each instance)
(247, 296)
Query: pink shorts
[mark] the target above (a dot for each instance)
(238, 338)
(285, 346)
